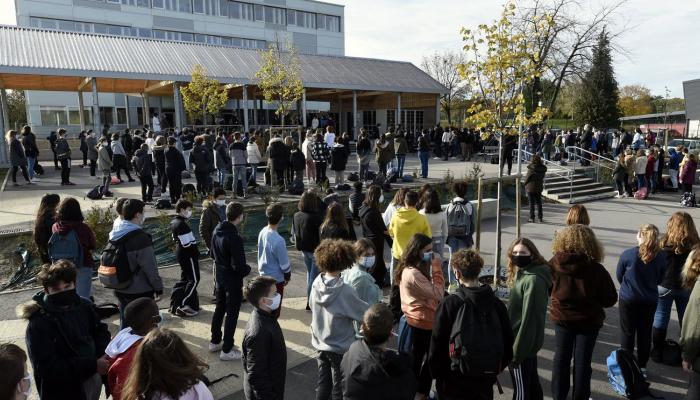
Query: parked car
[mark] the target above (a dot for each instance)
(693, 145)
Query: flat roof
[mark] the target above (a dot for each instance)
(69, 55)
(648, 116)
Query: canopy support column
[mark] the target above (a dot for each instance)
(398, 110)
(128, 116)
(95, 108)
(5, 124)
(81, 110)
(245, 108)
(146, 108)
(303, 108)
(354, 114)
(177, 99)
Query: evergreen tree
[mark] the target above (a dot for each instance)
(597, 102)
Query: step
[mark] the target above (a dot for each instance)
(585, 199)
(582, 193)
(576, 188)
(563, 177)
(567, 183)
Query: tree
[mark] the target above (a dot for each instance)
(17, 108)
(279, 78)
(203, 95)
(597, 103)
(662, 105)
(635, 100)
(443, 67)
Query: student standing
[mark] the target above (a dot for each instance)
(203, 159)
(639, 271)
(184, 301)
(239, 161)
(334, 306)
(63, 153)
(273, 259)
(264, 349)
(373, 228)
(104, 165)
(339, 159)
(306, 148)
(437, 220)
(401, 149)
(213, 212)
(582, 289)
(221, 160)
(358, 276)
(320, 153)
(424, 152)
(45, 218)
(254, 158)
(530, 278)
(307, 226)
(31, 151)
(364, 154)
(534, 184)
(335, 225)
(690, 332)
(174, 165)
(142, 166)
(18, 160)
(60, 321)
(119, 160)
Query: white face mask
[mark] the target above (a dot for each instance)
(276, 301)
(221, 202)
(381, 199)
(367, 261)
(187, 214)
(28, 392)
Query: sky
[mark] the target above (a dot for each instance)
(661, 39)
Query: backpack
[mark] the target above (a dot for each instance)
(641, 193)
(625, 376)
(459, 221)
(115, 271)
(476, 340)
(297, 187)
(342, 187)
(392, 175)
(163, 204)
(405, 336)
(66, 247)
(353, 177)
(95, 193)
(407, 178)
(688, 199)
(189, 188)
(370, 175)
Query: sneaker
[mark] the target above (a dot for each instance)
(35, 179)
(618, 196)
(644, 373)
(185, 312)
(532, 220)
(234, 354)
(541, 221)
(214, 347)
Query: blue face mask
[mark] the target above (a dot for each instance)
(427, 256)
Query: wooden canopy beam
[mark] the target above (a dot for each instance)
(157, 86)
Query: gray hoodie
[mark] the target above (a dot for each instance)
(334, 306)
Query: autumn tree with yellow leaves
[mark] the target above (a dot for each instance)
(203, 95)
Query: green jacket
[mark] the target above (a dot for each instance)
(690, 331)
(527, 309)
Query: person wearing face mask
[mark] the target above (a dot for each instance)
(421, 287)
(65, 338)
(146, 281)
(213, 212)
(264, 349)
(273, 259)
(373, 228)
(184, 300)
(530, 279)
(359, 275)
(15, 381)
(141, 316)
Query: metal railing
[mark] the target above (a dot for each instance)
(554, 168)
(603, 166)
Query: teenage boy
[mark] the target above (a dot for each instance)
(370, 370)
(141, 316)
(273, 260)
(65, 338)
(184, 300)
(213, 212)
(334, 307)
(264, 350)
(146, 281)
(119, 208)
(229, 260)
(142, 165)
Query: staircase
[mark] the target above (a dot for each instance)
(560, 188)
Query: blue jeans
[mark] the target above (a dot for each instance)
(363, 171)
(239, 174)
(424, 156)
(221, 176)
(438, 248)
(641, 181)
(401, 160)
(578, 344)
(663, 307)
(253, 172)
(83, 282)
(30, 165)
(455, 244)
(311, 270)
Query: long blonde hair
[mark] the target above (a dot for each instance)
(681, 234)
(649, 247)
(536, 258)
(578, 239)
(578, 215)
(691, 268)
(10, 134)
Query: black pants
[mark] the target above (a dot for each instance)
(186, 295)
(535, 199)
(84, 157)
(379, 271)
(124, 300)
(65, 170)
(636, 320)
(479, 389)
(175, 179)
(162, 177)
(55, 158)
(421, 345)
(229, 296)
(146, 187)
(687, 188)
(320, 171)
(24, 173)
(119, 165)
(330, 377)
(202, 179)
(526, 381)
(623, 185)
(579, 344)
(507, 158)
(694, 386)
(93, 167)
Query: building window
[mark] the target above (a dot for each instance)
(157, 3)
(178, 5)
(52, 116)
(107, 115)
(113, 1)
(328, 22)
(369, 120)
(240, 10)
(74, 116)
(223, 8)
(207, 7)
(274, 15)
(139, 3)
(121, 116)
(259, 12)
(301, 18)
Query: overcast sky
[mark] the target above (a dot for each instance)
(663, 40)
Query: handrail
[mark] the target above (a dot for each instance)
(598, 156)
(557, 170)
(594, 158)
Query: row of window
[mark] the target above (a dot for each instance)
(119, 30)
(62, 116)
(242, 10)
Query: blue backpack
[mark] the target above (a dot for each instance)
(66, 247)
(626, 377)
(405, 339)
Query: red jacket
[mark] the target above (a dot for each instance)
(85, 236)
(119, 370)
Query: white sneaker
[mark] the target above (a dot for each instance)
(234, 354)
(214, 347)
(186, 311)
(35, 179)
(618, 196)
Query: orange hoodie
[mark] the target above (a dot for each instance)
(420, 296)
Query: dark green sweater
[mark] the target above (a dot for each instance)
(527, 309)
(690, 331)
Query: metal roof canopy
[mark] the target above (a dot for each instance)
(657, 115)
(37, 59)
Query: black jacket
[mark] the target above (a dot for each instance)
(375, 374)
(364, 147)
(202, 159)
(372, 222)
(29, 144)
(279, 154)
(534, 180)
(142, 163)
(264, 358)
(63, 346)
(174, 160)
(306, 228)
(187, 141)
(339, 157)
(297, 160)
(674, 267)
(159, 155)
(453, 383)
(335, 232)
(180, 228)
(227, 252)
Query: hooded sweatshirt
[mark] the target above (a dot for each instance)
(85, 236)
(334, 306)
(582, 289)
(527, 309)
(121, 351)
(372, 373)
(139, 249)
(405, 223)
(198, 391)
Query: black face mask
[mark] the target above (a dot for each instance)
(522, 261)
(62, 299)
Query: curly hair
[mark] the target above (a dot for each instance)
(468, 262)
(53, 274)
(578, 214)
(334, 255)
(649, 247)
(691, 268)
(681, 235)
(536, 258)
(578, 239)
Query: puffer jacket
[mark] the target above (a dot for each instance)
(17, 155)
(201, 157)
(420, 296)
(104, 161)
(534, 180)
(239, 156)
(254, 156)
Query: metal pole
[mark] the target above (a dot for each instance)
(95, 108)
(478, 214)
(497, 255)
(81, 110)
(517, 207)
(520, 142)
(303, 108)
(437, 111)
(5, 125)
(128, 117)
(146, 110)
(245, 108)
(177, 99)
(398, 110)
(256, 108)
(354, 114)
(340, 116)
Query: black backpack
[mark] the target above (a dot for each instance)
(95, 193)
(297, 187)
(625, 376)
(163, 204)
(115, 271)
(476, 340)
